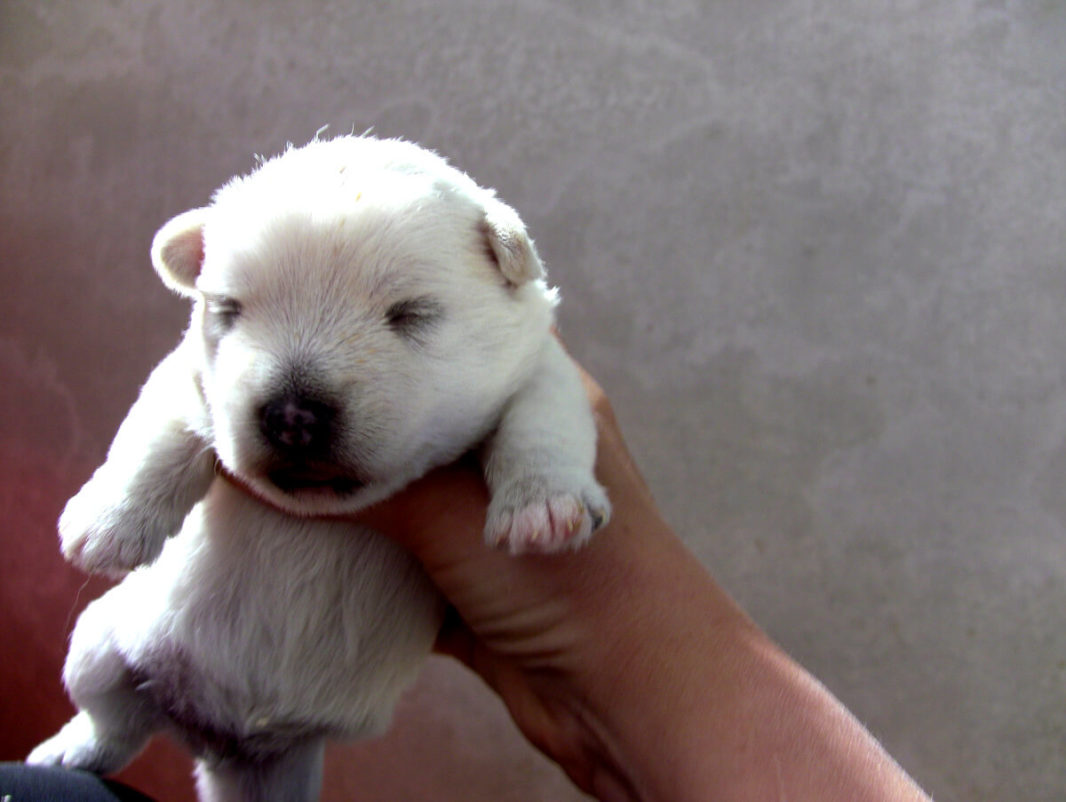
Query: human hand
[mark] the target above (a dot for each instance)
(624, 661)
(533, 627)
(540, 628)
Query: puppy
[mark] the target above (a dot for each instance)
(362, 312)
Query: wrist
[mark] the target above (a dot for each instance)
(716, 711)
(667, 652)
(656, 714)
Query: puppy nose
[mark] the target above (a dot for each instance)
(297, 425)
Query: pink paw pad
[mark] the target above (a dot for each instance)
(553, 525)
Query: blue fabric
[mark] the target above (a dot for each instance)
(22, 783)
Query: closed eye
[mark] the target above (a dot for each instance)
(222, 312)
(413, 317)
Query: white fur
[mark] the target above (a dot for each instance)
(363, 296)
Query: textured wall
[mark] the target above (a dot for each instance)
(813, 249)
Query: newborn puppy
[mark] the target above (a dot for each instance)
(362, 312)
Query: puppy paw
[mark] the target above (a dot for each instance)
(539, 515)
(108, 540)
(78, 746)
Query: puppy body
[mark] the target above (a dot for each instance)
(362, 312)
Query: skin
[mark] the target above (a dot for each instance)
(625, 662)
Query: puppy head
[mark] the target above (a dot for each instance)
(363, 312)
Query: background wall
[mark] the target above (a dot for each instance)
(813, 249)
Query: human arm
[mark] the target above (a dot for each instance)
(625, 662)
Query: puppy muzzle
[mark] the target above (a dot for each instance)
(300, 431)
(298, 427)
(303, 478)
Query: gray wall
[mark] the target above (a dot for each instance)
(813, 249)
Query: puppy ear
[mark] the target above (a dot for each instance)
(510, 244)
(178, 251)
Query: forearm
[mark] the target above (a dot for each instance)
(698, 704)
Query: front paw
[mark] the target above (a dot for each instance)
(108, 539)
(543, 515)
(79, 746)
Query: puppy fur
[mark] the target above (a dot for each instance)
(362, 312)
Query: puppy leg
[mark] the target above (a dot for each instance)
(539, 464)
(293, 776)
(157, 468)
(114, 720)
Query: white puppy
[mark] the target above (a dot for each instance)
(362, 312)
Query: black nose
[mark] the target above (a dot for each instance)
(297, 425)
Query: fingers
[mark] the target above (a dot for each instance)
(455, 638)
(438, 518)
